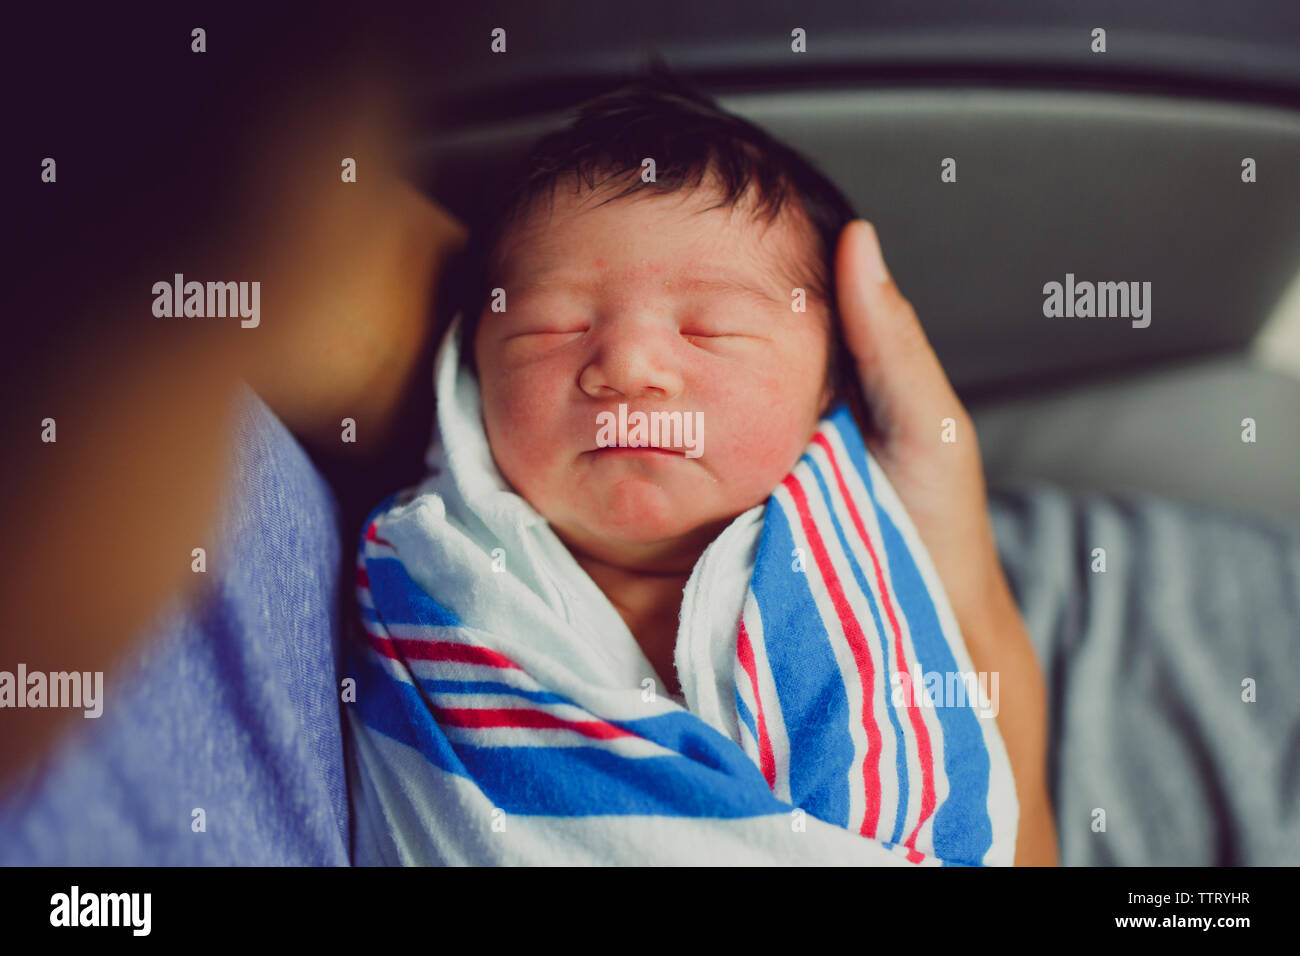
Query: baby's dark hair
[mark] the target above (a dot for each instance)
(664, 116)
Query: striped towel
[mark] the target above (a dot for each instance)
(503, 714)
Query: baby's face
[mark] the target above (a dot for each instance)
(650, 303)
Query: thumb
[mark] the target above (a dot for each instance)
(905, 387)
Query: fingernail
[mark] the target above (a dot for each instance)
(873, 260)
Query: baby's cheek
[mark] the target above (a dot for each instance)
(520, 434)
(755, 448)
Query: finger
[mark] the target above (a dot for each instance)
(902, 379)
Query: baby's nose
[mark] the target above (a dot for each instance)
(632, 360)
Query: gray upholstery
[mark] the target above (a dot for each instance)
(1107, 187)
(1175, 432)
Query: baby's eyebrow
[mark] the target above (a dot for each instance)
(723, 284)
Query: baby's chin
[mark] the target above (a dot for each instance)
(636, 512)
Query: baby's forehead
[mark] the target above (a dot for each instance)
(688, 236)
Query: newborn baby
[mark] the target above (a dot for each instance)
(660, 257)
(662, 300)
(658, 303)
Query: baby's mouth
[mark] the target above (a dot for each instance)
(653, 449)
(647, 435)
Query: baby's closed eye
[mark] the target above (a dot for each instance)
(556, 330)
(722, 326)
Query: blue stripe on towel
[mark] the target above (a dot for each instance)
(962, 828)
(400, 599)
(814, 705)
(900, 752)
